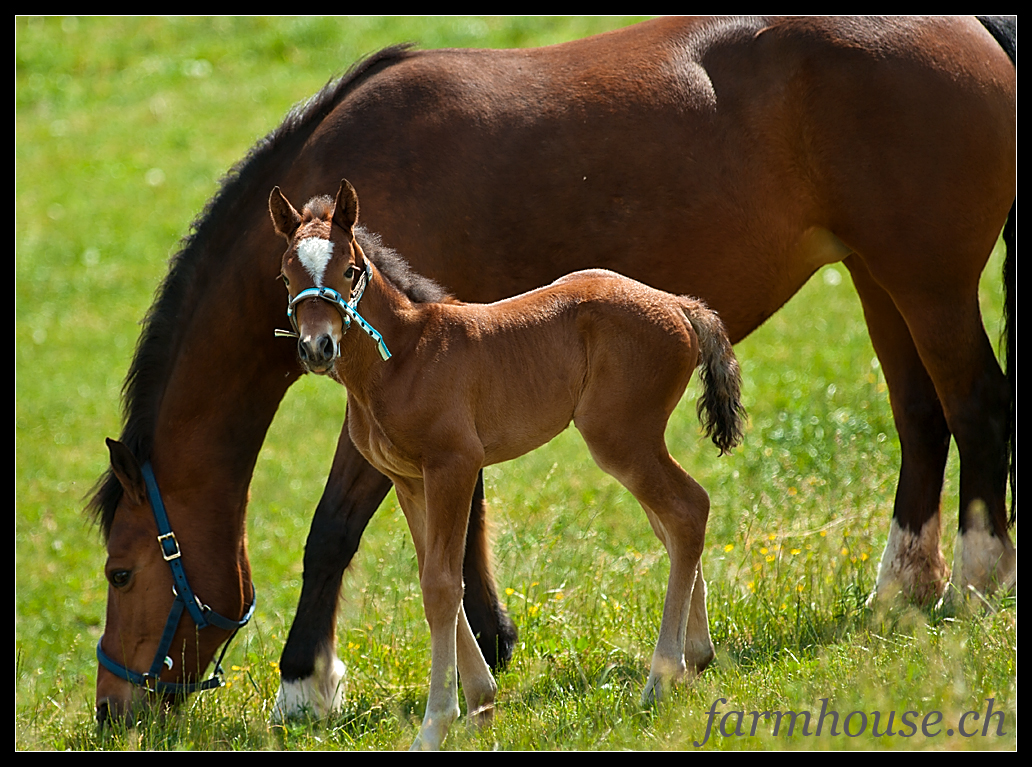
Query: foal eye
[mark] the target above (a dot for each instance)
(119, 578)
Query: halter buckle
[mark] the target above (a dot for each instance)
(169, 553)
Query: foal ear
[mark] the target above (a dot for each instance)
(127, 471)
(285, 219)
(345, 209)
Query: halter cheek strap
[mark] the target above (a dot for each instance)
(185, 598)
(348, 311)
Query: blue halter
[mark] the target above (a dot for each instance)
(202, 615)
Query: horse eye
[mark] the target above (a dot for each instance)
(349, 273)
(119, 578)
(286, 282)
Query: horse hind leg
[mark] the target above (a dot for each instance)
(946, 327)
(912, 564)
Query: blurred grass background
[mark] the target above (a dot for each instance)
(123, 128)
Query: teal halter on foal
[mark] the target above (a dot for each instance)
(202, 615)
(348, 311)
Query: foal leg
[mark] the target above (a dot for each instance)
(677, 508)
(478, 685)
(698, 646)
(912, 563)
(447, 490)
(310, 672)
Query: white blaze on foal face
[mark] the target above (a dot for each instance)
(315, 254)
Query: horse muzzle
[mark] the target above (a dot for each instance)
(120, 703)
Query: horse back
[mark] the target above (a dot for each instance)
(725, 158)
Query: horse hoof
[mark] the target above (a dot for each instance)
(317, 696)
(912, 566)
(983, 564)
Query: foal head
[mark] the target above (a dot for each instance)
(322, 261)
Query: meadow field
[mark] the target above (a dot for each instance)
(123, 129)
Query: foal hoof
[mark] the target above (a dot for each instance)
(662, 677)
(482, 717)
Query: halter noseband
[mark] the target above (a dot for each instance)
(202, 615)
(348, 311)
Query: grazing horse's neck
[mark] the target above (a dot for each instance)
(213, 431)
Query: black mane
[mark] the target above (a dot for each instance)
(158, 343)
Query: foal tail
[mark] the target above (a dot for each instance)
(720, 407)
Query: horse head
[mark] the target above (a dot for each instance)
(160, 633)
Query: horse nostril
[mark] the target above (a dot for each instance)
(326, 348)
(317, 353)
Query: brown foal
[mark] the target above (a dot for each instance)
(443, 388)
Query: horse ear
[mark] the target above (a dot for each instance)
(345, 209)
(285, 219)
(127, 471)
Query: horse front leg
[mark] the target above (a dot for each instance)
(491, 625)
(310, 672)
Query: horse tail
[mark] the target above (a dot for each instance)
(1004, 30)
(1007, 343)
(720, 407)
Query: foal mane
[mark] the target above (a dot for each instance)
(397, 271)
(392, 265)
(188, 270)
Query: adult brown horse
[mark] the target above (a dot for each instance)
(726, 158)
(473, 385)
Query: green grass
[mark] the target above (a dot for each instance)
(124, 127)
